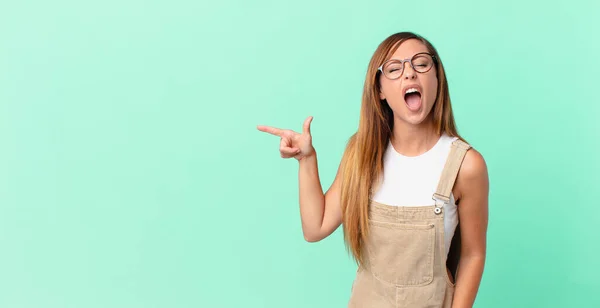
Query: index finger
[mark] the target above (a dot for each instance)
(270, 130)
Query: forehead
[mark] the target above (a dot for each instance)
(409, 48)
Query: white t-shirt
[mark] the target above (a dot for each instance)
(412, 181)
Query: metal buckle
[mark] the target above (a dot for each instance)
(439, 203)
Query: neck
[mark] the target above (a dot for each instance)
(413, 140)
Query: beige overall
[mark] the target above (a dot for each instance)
(405, 261)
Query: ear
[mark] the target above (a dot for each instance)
(381, 95)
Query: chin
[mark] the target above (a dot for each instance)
(415, 118)
(415, 121)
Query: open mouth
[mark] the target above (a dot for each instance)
(412, 97)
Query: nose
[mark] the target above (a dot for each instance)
(409, 72)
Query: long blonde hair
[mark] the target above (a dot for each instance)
(362, 162)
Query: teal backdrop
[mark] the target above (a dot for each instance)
(132, 174)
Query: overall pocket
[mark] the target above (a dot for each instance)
(401, 254)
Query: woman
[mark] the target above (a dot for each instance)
(411, 194)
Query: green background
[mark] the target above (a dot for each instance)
(132, 173)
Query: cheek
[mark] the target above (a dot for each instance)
(390, 89)
(432, 86)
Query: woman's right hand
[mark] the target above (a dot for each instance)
(320, 213)
(293, 144)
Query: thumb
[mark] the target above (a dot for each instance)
(306, 126)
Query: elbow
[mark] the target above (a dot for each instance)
(475, 256)
(312, 238)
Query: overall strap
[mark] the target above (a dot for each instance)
(455, 158)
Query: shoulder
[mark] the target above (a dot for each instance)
(473, 175)
(474, 165)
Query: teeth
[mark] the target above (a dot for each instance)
(411, 90)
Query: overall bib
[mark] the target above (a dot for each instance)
(405, 260)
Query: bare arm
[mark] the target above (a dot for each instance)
(320, 213)
(472, 186)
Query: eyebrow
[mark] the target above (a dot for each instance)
(410, 56)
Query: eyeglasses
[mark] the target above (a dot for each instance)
(421, 63)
